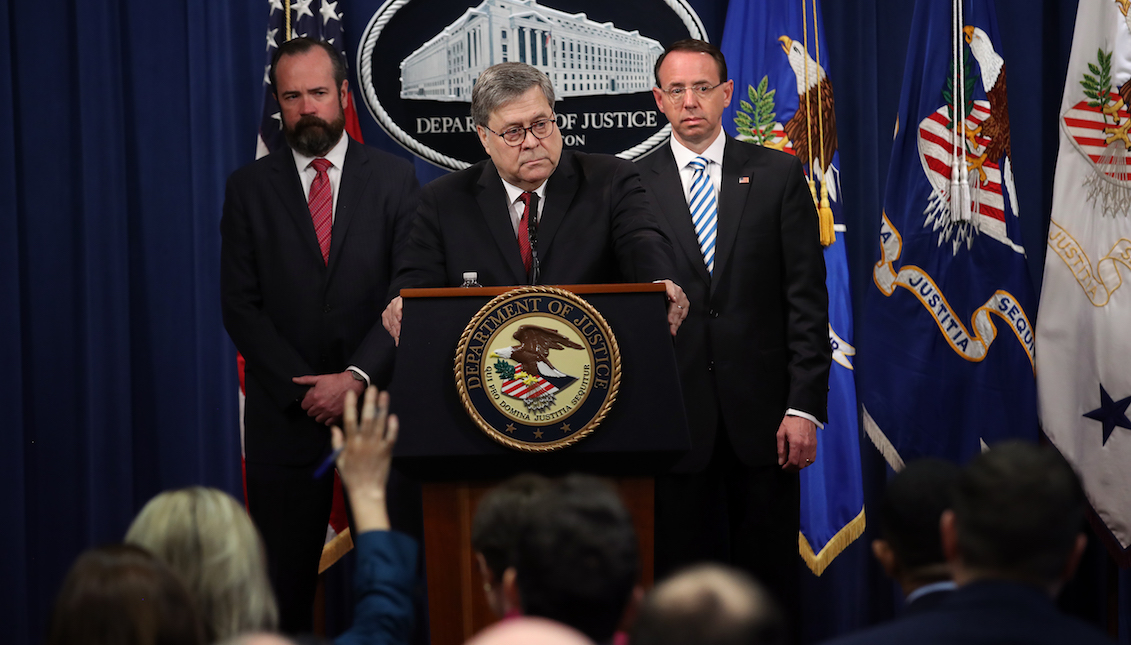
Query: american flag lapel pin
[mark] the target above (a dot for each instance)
(744, 180)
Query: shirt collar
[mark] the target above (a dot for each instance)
(336, 156)
(944, 585)
(514, 192)
(714, 152)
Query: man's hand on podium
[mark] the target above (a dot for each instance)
(391, 319)
(678, 305)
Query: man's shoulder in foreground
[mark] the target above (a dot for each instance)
(985, 613)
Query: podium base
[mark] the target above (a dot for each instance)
(457, 606)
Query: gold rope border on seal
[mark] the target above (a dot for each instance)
(614, 380)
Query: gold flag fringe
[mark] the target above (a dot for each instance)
(818, 562)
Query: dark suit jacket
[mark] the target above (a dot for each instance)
(989, 613)
(596, 227)
(290, 314)
(926, 602)
(755, 341)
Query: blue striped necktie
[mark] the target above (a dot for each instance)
(704, 210)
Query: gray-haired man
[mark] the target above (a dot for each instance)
(589, 214)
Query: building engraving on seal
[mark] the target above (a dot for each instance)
(581, 57)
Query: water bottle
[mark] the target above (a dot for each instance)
(470, 279)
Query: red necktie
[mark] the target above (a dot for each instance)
(524, 232)
(320, 203)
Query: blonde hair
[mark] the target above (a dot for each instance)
(207, 538)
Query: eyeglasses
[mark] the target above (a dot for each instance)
(516, 135)
(676, 93)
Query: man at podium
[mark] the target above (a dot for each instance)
(531, 213)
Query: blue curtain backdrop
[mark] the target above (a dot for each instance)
(119, 122)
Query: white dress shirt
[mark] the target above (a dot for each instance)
(515, 205)
(306, 172)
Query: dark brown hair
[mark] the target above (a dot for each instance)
(694, 46)
(296, 46)
(122, 595)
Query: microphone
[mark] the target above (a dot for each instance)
(532, 235)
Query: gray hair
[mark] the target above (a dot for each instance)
(207, 538)
(711, 605)
(503, 83)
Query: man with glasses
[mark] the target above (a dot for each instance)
(531, 213)
(754, 353)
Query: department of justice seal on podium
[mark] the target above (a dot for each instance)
(537, 368)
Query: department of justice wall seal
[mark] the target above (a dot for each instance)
(537, 369)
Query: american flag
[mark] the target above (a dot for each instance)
(519, 388)
(320, 20)
(317, 19)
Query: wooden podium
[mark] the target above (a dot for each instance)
(439, 444)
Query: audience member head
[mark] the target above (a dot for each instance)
(258, 638)
(122, 595)
(512, 106)
(526, 630)
(577, 559)
(1016, 515)
(909, 546)
(207, 538)
(494, 532)
(709, 605)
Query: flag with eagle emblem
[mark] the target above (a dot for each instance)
(784, 100)
(947, 343)
(1084, 330)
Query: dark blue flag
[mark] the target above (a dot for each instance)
(946, 348)
(772, 50)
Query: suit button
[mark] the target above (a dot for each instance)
(326, 309)
(711, 366)
(712, 313)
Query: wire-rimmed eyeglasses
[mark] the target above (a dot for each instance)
(514, 136)
(701, 90)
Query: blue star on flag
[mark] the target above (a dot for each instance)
(1110, 413)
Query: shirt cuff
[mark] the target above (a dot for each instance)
(360, 372)
(804, 415)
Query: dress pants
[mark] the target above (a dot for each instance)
(291, 510)
(730, 513)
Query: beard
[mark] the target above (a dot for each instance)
(312, 136)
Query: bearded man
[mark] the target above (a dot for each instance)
(309, 235)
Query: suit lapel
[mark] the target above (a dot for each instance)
(731, 205)
(493, 208)
(560, 191)
(287, 185)
(667, 188)
(355, 176)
